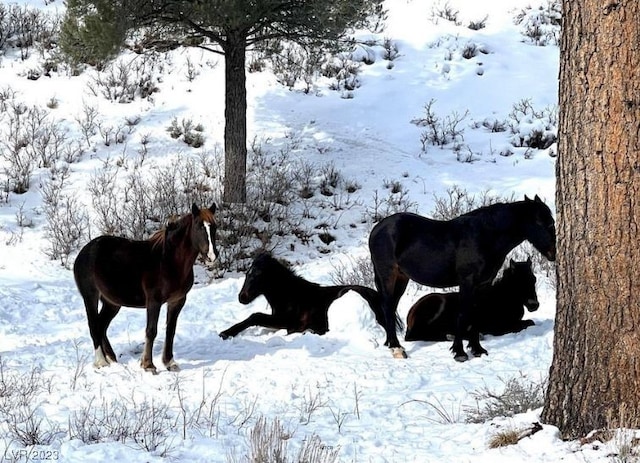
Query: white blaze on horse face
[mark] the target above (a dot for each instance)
(211, 255)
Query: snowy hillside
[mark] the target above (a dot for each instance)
(491, 89)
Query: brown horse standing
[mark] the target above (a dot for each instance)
(117, 271)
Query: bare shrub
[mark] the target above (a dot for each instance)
(146, 425)
(479, 24)
(129, 202)
(541, 26)
(383, 206)
(344, 71)
(294, 63)
(123, 80)
(444, 414)
(19, 405)
(531, 127)
(191, 133)
(355, 271)
(445, 11)
(25, 27)
(439, 131)
(67, 225)
(457, 201)
(520, 394)
(313, 450)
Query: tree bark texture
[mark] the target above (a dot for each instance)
(235, 115)
(595, 372)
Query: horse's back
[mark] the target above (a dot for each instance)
(424, 249)
(432, 317)
(115, 267)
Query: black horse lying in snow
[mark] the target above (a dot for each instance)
(297, 305)
(498, 310)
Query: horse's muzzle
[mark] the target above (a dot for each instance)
(532, 305)
(243, 298)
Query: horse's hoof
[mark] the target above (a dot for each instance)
(461, 358)
(398, 353)
(100, 359)
(152, 370)
(479, 352)
(173, 366)
(224, 335)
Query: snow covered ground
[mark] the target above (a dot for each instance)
(343, 388)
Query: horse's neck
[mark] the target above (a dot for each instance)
(180, 253)
(288, 289)
(506, 229)
(503, 291)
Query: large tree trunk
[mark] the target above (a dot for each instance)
(235, 117)
(596, 360)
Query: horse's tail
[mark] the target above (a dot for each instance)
(375, 302)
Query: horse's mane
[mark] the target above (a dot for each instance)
(283, 269)
(159, 238)
(207, 216)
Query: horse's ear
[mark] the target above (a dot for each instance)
(195, 210)
(526, 198)
(512, 263)
(529, 260)
(537, 199)
(212, 208)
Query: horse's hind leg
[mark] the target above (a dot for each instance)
(391, 289)
(91, 296)
(173, 310)
(107, 313)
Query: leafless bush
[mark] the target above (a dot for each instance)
(191, 133)
(19, 406)
(541, 26)
(88, 121)
(520, 394)
(293, 63)
(444, 414)
(356, 271)
(25, 27)
(146, 425)
(439, 131)
(344, 71)
(391, 51)
(122, 81)
(67, 223)
(531, 127)
(458, 201)
(445, 11)
(29, 139)
(128, 202)
(383, 206)
(477, 25)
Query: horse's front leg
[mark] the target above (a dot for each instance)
(173, 310)
(472, 326)
(465, 324)
(153, 313)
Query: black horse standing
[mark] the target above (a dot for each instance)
(117, 271)
(466, 251)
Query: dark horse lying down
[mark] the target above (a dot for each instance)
(499, 307)
(297, 304)
(117, 271)
(466, 251)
